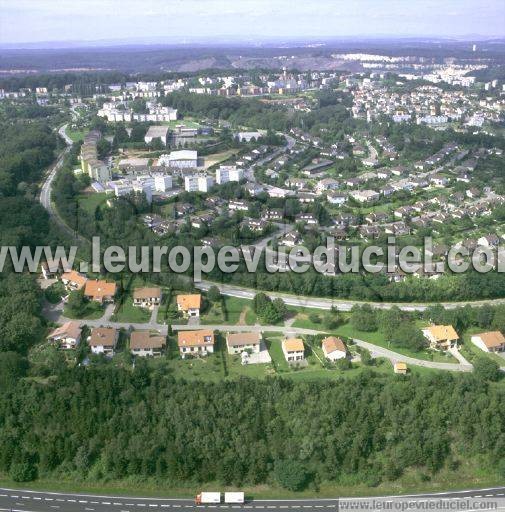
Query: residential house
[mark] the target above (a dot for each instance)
(307, 218)
(334, 348)
(100, 291)
(103, 340)
(291, 239)
(195, 343)
(147, 297)
(294, 350)
(144, 343)
(189, 304)
(489, 341)
(67, 335)
(441, 337)
(365, 196)
(240, 341)
(73, 280)
(241, 206)
(400, 367)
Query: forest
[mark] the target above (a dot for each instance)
(103, 423)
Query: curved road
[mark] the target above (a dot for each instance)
(19, 500)
(45, 191)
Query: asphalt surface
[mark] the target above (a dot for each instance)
(37, 501)
(45, 191)
(341, 305)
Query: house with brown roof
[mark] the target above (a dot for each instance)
(441, 337)
(145, 343)
(67, 336)
(147, 297)
(189, 304)
(240, 341)
(99, 290)
(73, 280)
(103, 340)
(195, 343)
(493, 341)
(334, 348)
(294, 350)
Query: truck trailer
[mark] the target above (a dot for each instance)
(208, 498)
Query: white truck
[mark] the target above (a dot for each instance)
(234, 497)
(211, 498)
(206, 498)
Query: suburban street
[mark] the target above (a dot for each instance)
(14, 500)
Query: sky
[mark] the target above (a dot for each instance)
(30, 21)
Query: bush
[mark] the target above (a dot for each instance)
(290, 474)
(23, 472)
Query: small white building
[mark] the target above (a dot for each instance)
(294, 350)
(334, 348)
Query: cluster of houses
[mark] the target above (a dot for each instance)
(426, 104)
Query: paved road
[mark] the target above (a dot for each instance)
(38, 501)
(375, 350)
(341, 305)
(45, 191)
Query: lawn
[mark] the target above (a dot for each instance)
(377, 338)
(127, 312)
(232, 311)
(305, 318)
(76, 135)
(89, 202)
(91, 311)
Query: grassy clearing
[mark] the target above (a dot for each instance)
(76, 135)
(127, 312)
(466, 477)
(91, 311)
(89, 202)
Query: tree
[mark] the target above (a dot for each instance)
(214, 295)
(290, 474)
(364, 318)
(12, 367)
(486, 369)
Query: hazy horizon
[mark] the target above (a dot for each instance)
(254, 21)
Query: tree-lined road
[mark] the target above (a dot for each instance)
(14, 500)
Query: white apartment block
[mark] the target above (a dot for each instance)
(197, 183)
(227, 173)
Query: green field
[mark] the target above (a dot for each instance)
(76, 135)
(89, 202)
(127, 312)
(91, 311)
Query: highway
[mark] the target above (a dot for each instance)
(15, 500)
